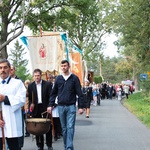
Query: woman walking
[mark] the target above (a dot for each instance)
(87, 91)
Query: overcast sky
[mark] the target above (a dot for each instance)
(111, 49)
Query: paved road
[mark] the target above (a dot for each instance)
(110, 127)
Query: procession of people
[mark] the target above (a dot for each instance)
(60, 97)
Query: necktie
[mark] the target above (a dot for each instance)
(3, 81)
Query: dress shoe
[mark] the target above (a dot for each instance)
(50, 148)
(39, 148)
(87, 116)
(27, 135)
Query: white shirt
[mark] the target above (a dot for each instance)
(39, 92)
(66, 77)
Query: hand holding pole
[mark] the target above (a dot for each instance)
(3, 135)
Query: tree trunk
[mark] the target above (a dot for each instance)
(4, 33)
(3, 52)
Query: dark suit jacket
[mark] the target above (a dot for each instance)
(33, 97)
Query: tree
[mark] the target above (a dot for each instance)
(12, 21)
(84, 21)
(130, 20)
(98, 79)
(109, 73)
(15, 14)
(17, 58)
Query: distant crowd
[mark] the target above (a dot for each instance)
(108, 90)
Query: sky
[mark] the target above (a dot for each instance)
(111, 49)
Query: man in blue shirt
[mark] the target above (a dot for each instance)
(66, 88)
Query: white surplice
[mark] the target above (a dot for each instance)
(12, 115)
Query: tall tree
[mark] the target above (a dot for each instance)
(85, 25)
(109, 73)
(130, 20)
(83, 21)
(12, 20)
(17, 58)
(15, 14)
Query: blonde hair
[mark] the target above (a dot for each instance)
(26, 83)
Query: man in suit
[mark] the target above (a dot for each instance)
(38, 93)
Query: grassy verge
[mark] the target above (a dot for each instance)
(139, 105)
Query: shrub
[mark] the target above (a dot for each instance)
(97, 79)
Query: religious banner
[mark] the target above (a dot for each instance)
(76, 65)
(46, 52)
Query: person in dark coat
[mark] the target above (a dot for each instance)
(87, 92)
(39, 94)
(66, 87)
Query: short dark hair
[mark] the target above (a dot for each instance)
(37, 70)
(13, 67)
(65, 61)
(3, 60)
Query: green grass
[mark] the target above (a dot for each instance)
(139, 105)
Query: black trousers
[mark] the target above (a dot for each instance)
(21, 139)
(57, 127)
(40, 139)
(127, 95)
(13, 144)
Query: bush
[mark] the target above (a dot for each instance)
(145, 86)
(97, 79)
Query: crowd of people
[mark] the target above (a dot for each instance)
(19, 100)
(93, 93)
(58, 96)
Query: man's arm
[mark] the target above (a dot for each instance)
(79, 93)
(53, 95)
(30, 97)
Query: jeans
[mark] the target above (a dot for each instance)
(67, 115)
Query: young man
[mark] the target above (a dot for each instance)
(38, 94)
(66, 88)
(12, 98)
